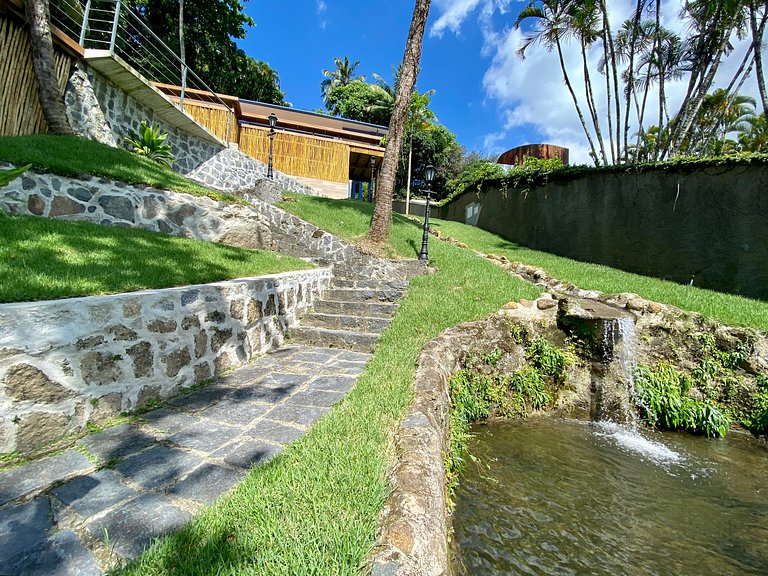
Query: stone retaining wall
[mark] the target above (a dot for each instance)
(99, 110)
(258, 225)
(67, 363)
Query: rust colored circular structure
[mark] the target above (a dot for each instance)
(516, 156)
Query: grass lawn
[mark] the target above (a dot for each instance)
(313, 509)
(727, 308)
(42, 259)
(72, 155)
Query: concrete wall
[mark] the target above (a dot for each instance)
(69, 362)
(709, 225)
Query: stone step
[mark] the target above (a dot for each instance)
(328, 338)
(362, 295)
(367, 309)
(369, 284)
(345, 322)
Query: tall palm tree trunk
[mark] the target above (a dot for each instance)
(41, 43)
(382, 213)
(408, 182)
(758, 31)
(591, 104)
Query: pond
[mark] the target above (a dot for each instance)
(559, 497)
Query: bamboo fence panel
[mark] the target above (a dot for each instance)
(298, 155)
(212, 117)
(20, 111)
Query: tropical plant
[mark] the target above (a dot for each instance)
(754, 136)
(409, 70)
(150, 142)
(358, 101)
(341, 75)
(7, 176)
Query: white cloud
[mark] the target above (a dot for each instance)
(321, 8)
(492, 143)
(531, 94)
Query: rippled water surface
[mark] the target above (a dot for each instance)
(563, 497)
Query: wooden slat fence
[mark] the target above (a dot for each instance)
(298, 155)
(20, 111)
(212, 116)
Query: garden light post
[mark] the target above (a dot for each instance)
(373, 172)
(272, 124)
(429, 175)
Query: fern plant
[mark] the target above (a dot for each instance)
(150, 142)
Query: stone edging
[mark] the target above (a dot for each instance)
(67, 363)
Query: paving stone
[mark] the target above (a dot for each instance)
(22, 529)
(335, 383)
(63, 554)
(158, 466)
(295, 414)
(235, 412)
(169, 421)
(247, 454)
(316, 398)
(92, 494)
(116, 442)
(199, 399)
(206, 483)
(36, 475)
(245, 376)
(349, 356)
(345, 368)
(263, 394)
(274, 431)
(205, 436)
(284, 379)
(316, 356)
(131, 528)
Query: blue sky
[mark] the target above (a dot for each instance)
(485, 94)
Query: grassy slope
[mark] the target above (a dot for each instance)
(728, 308)
(44, 259)
(72, 156)
(313, 509)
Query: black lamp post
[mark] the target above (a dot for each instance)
(272, 124)
(373, 171)
(429, 175)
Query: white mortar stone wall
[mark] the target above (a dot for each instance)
(99, 110)
(66, 363)
(257, 225)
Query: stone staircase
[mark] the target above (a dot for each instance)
(351, 315)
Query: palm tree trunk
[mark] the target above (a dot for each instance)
(758, 31)
(41, 43)
(609, 104)
(591, 103)
(630, 89)
(382, 213)
(615, 77)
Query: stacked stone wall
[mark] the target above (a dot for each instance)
(101, 111)
(67, 363)
(257, 225)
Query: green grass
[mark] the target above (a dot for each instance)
(42, 259)
(727, 308)
(72, 156)
(313, 509)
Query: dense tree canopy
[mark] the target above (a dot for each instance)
(210, 29)
(358, 101)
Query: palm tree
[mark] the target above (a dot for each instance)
(419, 118)
(341, 76)
(720, 114)
(382, 213)
(754, 136)
(550, 30)
(41, 43)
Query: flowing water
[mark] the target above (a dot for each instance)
(558, 497)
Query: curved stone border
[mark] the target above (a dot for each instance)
(67, 363)
(414, 521)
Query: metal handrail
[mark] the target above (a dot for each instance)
(109, 24)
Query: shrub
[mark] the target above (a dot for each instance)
(150, 142)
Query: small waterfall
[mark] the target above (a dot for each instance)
(620, 343)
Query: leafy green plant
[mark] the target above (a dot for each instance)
(150, 142)
(664, 402)
(548, 359)
(7, 176)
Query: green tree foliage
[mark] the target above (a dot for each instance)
(211, 27)
(358, 101)
(437, 146)
(341, 75)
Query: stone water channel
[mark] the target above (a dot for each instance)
(604, 496)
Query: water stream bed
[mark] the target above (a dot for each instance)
(555, 497)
